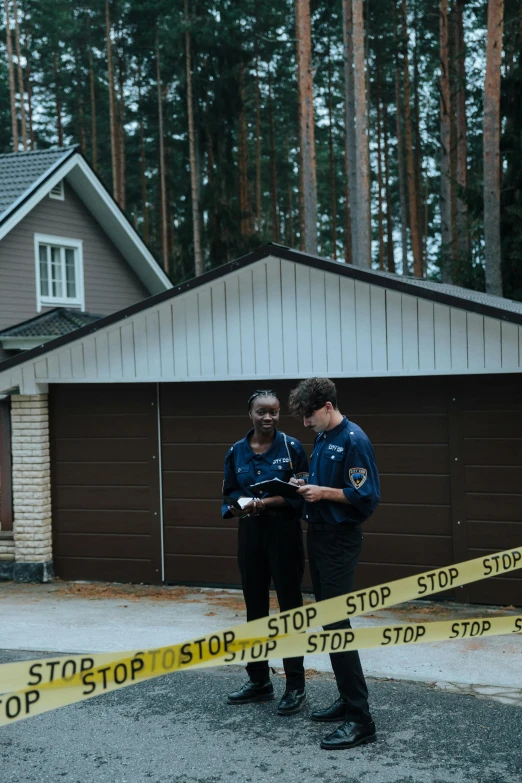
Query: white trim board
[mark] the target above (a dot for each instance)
(278, 319)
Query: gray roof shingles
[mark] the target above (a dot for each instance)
(21, 172)
(54, 323)
(466, 294)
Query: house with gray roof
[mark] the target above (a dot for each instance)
(64, 245)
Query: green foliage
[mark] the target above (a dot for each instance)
(61, 38)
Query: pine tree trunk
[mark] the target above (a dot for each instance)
(452, 32)
(445, 144)
(57, 87)
(27, 49)
(492, 160)
(306, 124)
(21, 90)
(121, 128)
(418, 155)
(300, 196)
(163, 193)
(30, 103)
(112, 108)
(408, 140)
(390, 257)
(214, 239)
(290, 232)
(143, 164)
(258, 148)
(92, 95)
(463, 238)
(171, 237)
(12, 90)
(380, 218)
(242, 157)
(401, 171)
(196, 220)
(273, 166)
(350, 246)
(333, 201)
(81, 122)
(362, 216)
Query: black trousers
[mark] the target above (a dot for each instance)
(271, 547)
(333, 554)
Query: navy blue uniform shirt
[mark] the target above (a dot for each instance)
(343, 458)
(244, 467)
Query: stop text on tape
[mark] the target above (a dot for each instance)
(254, 639)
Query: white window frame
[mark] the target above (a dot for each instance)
(78, 302)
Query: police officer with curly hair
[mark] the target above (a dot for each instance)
(341, 493)
(270, 544)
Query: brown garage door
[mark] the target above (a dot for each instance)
(105, 482)
(408, 424)
(488, 496)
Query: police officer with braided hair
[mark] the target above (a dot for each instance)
(341, 493)
(270, 544)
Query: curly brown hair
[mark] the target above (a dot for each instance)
(311, 395)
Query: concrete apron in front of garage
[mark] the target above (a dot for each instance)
(73, 617)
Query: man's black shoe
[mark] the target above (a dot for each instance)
(336, 711)
(349, 735)
(252, 691)
(292, 702)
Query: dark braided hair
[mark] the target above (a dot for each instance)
(262, 393)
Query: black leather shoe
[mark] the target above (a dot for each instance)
(292, 702)
(252, 691)
(349, 735)
(336, 711)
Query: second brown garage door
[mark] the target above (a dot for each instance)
(408, 425)
(105, 482)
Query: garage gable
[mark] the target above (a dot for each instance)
(279, 318)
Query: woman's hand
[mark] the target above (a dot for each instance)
(250, 506)
(243, 512)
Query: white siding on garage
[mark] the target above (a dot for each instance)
(277, 319)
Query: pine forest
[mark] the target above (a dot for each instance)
(382, 133)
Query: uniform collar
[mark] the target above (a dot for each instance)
(331, 434)
(250, 454)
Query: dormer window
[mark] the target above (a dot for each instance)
(57, 192)
(59, 272)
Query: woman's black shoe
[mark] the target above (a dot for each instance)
(252, 691)
(336, 711)
(292, 702)
(349, 735)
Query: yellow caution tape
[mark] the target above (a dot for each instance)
(48, 683)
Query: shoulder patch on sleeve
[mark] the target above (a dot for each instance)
(358, 477)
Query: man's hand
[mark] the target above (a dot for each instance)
(297, 482)
(311, 493)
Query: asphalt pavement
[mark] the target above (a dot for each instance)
(179, 729)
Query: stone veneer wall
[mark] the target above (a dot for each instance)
(7, 549)
(31, 487)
